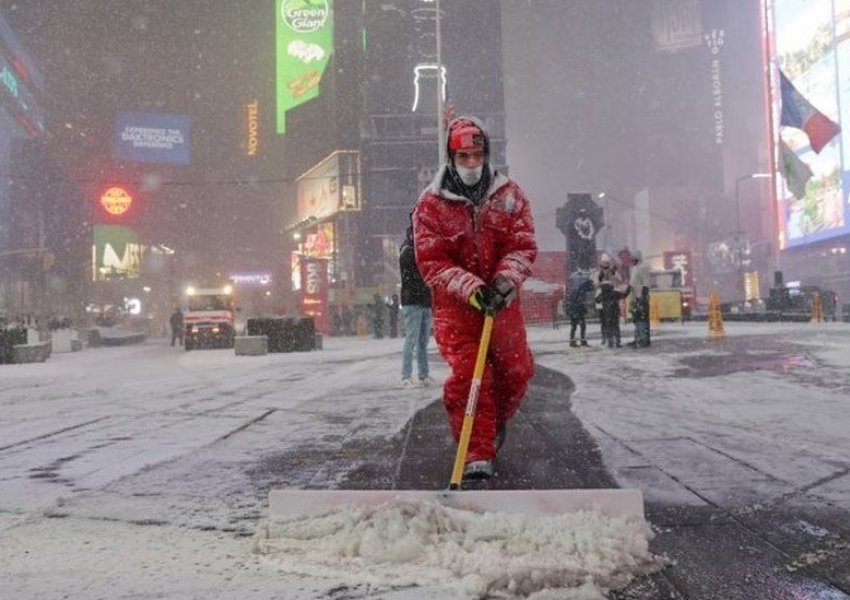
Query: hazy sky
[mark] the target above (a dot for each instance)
(591, 105)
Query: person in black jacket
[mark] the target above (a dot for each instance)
(416, 312)
(610, 298)
(378, 309)
(177, 326)
(393, 308)
(576, 309)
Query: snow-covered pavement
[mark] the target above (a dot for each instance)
(127, 472)
(733, 422)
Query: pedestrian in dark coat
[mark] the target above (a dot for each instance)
(378, 308)
(639, 282)
(611, 297)
(416, 312)
(606, 274)
(392, 308)
(177, 326)
(576, 309)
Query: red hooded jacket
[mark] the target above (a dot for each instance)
(460, 247)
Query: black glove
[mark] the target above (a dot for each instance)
(492, 298)
(483, 300)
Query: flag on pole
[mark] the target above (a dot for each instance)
(797, 173)
(797, 112)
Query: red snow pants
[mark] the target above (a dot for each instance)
(509, 366)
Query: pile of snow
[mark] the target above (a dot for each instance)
(114, 336)
(541, 287)
(580, 555)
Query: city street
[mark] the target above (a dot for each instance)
(143, 471)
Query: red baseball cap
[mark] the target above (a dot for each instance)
(465, 135)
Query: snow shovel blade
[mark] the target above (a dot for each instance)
(613, 502)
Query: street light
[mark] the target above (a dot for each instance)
(441, 134)
(602, 196)
(738, 231)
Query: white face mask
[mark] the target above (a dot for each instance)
(470, 176)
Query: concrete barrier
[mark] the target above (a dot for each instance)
(251, 345)
(30, 353)
(63, 340)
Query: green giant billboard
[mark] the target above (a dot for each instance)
(304, 33)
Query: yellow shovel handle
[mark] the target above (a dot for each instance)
(471, 403)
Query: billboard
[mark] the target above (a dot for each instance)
(23, 103)
(20, 82)
(116, 253)
(304, 43)
(116, 201)
(330, 187)
(314, 291)
(683, 261)
(811, 51)
(317, 243)
(152, 138)
(251, 279)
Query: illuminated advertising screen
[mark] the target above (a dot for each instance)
(304, 43)
(330, 187)
(152, 138)
(251, 279)
(321, 243)
(811, 68)
(116, 201)
(116, 253)
(683, 261)
(25, 107)
(20, 82)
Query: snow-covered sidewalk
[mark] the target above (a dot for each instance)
(92, 504)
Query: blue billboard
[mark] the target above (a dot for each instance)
(152, 138)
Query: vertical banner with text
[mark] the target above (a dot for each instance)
(681, 260)
(314, 291)
(304, 43)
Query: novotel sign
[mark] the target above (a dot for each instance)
(251, 279)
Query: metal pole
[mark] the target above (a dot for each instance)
(738, 240)
(738, 232)
(441, 134)
(773, 149)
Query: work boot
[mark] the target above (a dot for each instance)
(478, 469)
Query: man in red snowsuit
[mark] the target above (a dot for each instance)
(474, 240)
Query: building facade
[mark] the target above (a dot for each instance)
(24, 255)
(362, 151)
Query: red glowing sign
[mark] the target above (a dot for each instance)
(116, 201)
